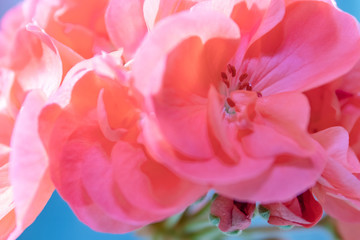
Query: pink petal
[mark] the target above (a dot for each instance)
(39, 65)
(337, 189)
(150, 60)
(29, 174)
(149, 185)
(210, 172)
(256, 18)
(289, 176)
(126, 25)
(289, 58)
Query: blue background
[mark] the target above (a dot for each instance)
(58, 222)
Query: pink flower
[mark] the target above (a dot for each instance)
(31, 70)
(98, 163)
(223, 94)
(303, 211)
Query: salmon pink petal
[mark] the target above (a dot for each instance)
(292, 57)
(29, 174)
(126, 25)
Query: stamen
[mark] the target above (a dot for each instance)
(232, 70)
(230, 102)
(227, 83)
(243, 77)
(243, 86)
(248, 87)
(224, 75)
(259, 94)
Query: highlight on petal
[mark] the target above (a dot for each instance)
(30, 180)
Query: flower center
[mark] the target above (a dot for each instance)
(234, 82)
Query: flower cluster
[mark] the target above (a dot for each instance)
(133, 110)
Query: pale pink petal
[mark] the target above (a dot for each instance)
(29, 174)
(125, 24)
(7, 78)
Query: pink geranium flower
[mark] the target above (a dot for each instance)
(31, 70)
(223, 94)
(98, 163)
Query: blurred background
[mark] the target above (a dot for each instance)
(58, 222)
